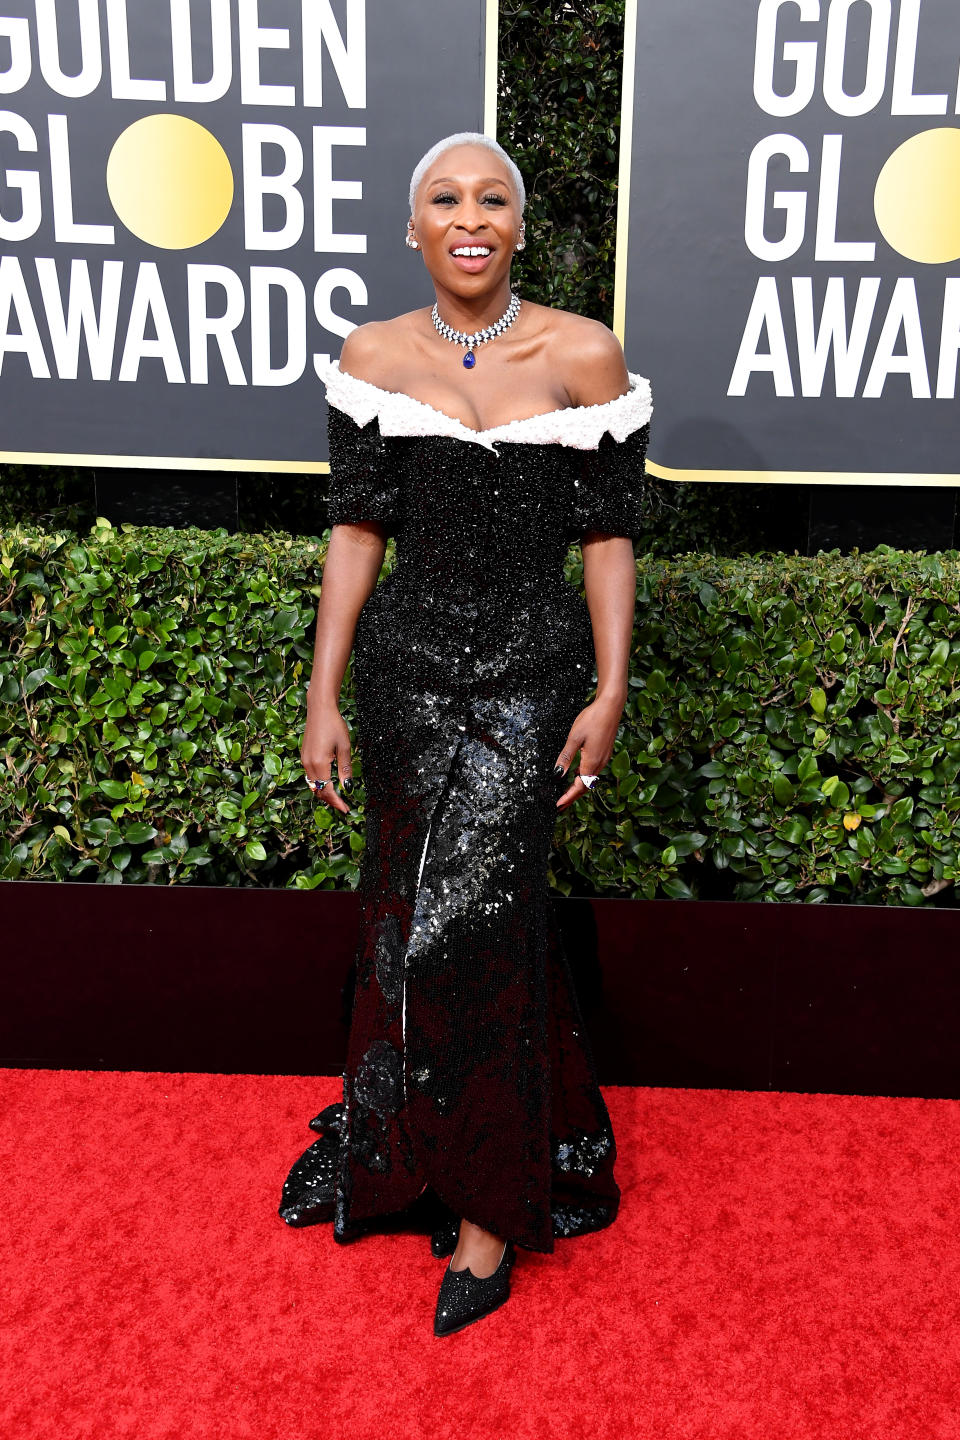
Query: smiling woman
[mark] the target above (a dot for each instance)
(469, 1081)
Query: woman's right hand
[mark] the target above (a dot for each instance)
(326, 739)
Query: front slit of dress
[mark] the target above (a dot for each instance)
(403, 1003)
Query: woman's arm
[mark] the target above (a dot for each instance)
(353, 563)
(598, 374)
(610, 581)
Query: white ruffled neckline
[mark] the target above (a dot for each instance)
(578, 426)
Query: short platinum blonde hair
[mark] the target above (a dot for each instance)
(466, 137)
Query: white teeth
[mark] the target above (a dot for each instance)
(471, 250)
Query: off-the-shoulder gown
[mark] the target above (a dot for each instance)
(468, 1072)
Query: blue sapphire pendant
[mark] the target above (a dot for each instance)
(479, 337)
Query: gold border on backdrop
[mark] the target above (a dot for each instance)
(165, 462)
(490, 54)
(667, 472)
(623, 173)
(803, 477)
(491, 20)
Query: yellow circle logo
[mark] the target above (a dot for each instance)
(170, 182)
(917, 199)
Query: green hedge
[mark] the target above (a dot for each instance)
(791, 729)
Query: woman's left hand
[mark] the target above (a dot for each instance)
(592, 733)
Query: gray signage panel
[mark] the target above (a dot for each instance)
(198, 200)
(790, 235)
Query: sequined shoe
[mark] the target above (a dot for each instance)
(464, 1298)
(443, 1240)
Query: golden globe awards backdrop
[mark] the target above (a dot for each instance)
(789, 235)
(198, 200)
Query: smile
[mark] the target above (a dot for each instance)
(471, 251)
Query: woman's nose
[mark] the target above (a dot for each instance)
(471, 217)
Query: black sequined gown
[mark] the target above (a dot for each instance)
(468, 1069)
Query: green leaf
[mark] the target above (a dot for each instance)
(783, 790)
(808, 768)
(620, 764)
(36, 678)
(286, 621)
(255, 850)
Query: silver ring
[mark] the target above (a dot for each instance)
(317, 785)
(589, 780)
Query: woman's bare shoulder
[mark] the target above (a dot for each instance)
(371, 350)
(590, 356)
(585, 355)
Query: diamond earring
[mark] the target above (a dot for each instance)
(521, 237)
(413, 244)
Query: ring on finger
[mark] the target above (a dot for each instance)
(589, 780)
(317, 785)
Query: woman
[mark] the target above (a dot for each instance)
(486, 435)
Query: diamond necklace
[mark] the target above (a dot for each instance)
(479, 337)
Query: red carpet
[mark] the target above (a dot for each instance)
(785, 1267)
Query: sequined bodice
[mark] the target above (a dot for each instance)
(491, 513)
(512, 506)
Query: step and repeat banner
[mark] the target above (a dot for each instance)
(198, 200)
(789, 237)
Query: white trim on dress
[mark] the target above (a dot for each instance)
(578, 426)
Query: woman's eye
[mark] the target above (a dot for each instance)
(442, 199)
(495, 199)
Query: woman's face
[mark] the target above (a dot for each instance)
(466, 202)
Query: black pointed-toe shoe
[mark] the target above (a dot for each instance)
(464, 1298)
(443, 1240)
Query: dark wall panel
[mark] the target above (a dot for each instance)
(841, 999)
